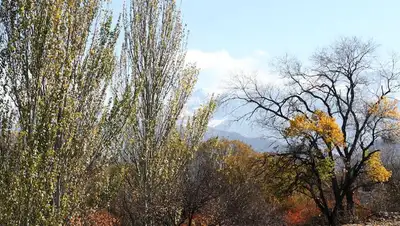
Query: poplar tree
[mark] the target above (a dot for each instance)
(157, 147)
(58, 113)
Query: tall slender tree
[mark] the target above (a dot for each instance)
(157, 147)
(57, 67)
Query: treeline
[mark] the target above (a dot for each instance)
(84, 119)
(92, 130)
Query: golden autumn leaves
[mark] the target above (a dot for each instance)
(375, 169)
(319, 125)
(385, 108)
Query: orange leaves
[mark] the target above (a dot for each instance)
(294, 217)
(100, 218)
(301, 210)
(319, 124)
(375, 169)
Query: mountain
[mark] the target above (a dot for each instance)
(223, 125)
(224, 116)
(257, 143)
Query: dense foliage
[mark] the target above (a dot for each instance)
(92, 132)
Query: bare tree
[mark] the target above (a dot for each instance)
(226, 190)
(203, 183)
(344, 89)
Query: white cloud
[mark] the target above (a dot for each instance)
(218, 67)
(218, 60)
(215, 122)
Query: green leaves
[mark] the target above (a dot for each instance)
(59, 63)
(68, 106)
(155, 146)
(325, 168)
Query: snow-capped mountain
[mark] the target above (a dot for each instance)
(259, 144)
(223, 125)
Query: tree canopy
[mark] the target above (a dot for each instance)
(330, 114)
(93, 128)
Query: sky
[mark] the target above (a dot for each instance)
(236, 36)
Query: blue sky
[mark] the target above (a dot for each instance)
(281, 26)
(227, 36)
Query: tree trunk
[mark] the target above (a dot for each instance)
(57, 194)
(190, 220)
(331, 216)
(350, 206)
(340, 210)
(333, 219)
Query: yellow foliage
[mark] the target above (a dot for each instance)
(320, 123)
(375, 170)
(239, 160)
(241, 155)
(385, 108)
